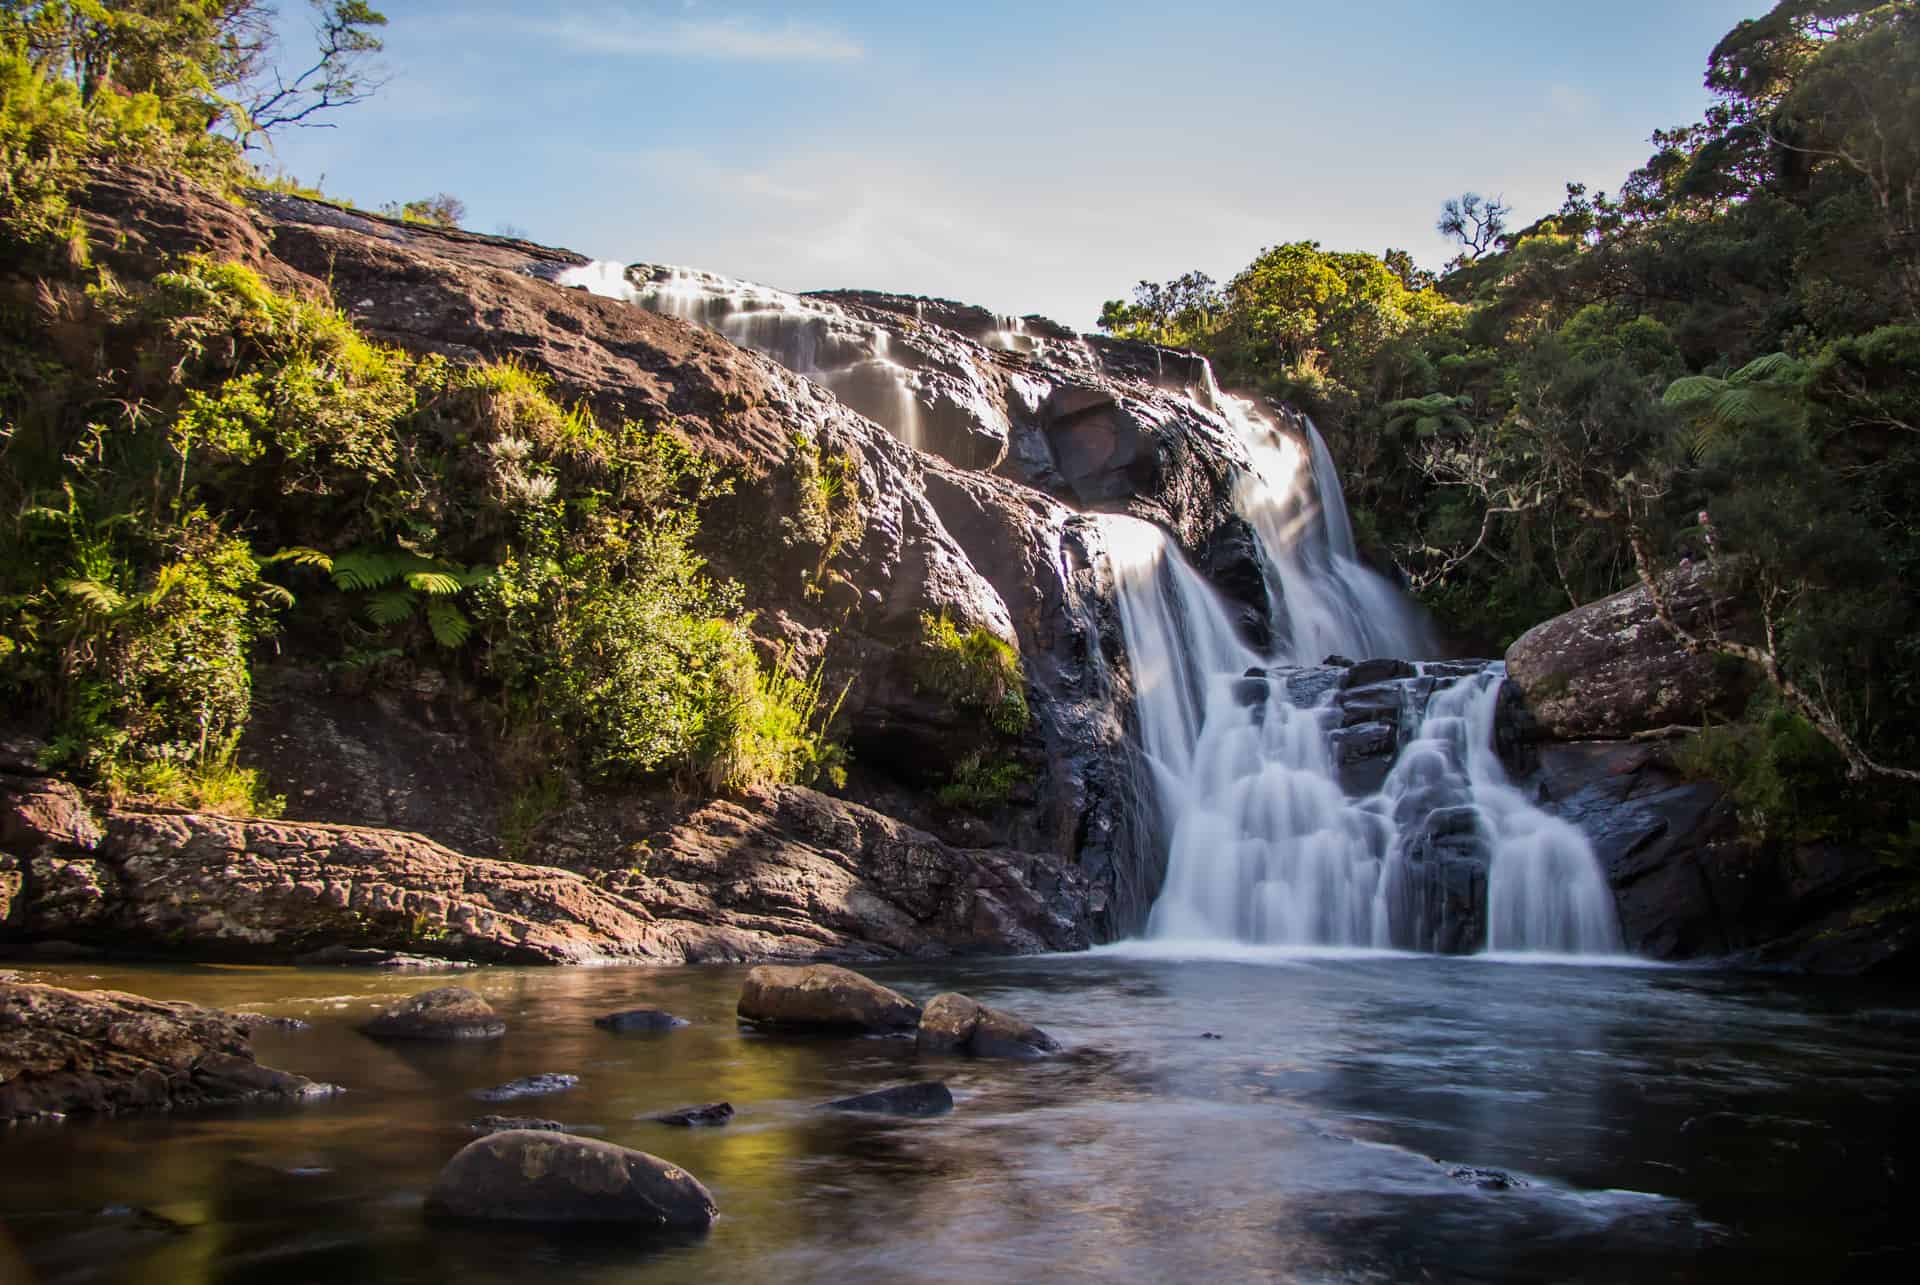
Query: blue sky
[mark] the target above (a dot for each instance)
(1034, 157)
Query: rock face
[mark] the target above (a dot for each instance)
(1610, 669)
(537, 1176)
(1690, 885)
(953, 1023)
(66, 1052)
(449, 1013)
(823, 997)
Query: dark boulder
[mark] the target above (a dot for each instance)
(928, 1098)
(535, 1176)
(639, 1019)
(953, 1023)
(1381, 670)
(823, 997)
(449, 1013)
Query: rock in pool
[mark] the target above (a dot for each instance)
(928, 1098)
(953, 1023)
(449, 1013)
(528, 1086)
(824, 997)
(639, 1019)
(713, 1113)
(529, 1176)
(504, 1123)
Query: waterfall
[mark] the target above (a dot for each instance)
(811, 337)
(1267, 843)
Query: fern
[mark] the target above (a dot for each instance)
(391, 607)
(449, 626)
(301, 558)
(93, 595)
(434, 583)
(279, 595)
(368, 569)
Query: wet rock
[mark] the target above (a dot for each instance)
(1486, 1179)
(714, 1113)
(449, 1013)
(529, 1086)
(639, 1019)
(953, 1023)
(372, 957)
(267, 1022)
(1209, 1035)
(530, 1176)
(65, 1052)
(929, 1098)
(1610, 669)
(508, 1123)
(823, 997)
(1381, 670)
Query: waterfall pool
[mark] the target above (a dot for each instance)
(1364, 1116)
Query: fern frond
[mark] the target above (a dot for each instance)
(279, 595)
(391, 608)
(1691, 390)
(364, 569)
(450, 627)
(169, 578)
(475, 576)
(437, 584)
(301, 558)
(102, 599)
(1772, 368)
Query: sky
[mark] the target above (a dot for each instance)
(1029, 157)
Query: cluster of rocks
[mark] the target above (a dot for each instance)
(100, 1052)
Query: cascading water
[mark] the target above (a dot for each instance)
(1246, 753)
(812, 337)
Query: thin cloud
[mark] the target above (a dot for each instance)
(719, 39)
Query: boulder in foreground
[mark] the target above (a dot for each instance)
(66, 1052)
(528, 1176)
(448, 1013)
(953, 1023)
(824, 997)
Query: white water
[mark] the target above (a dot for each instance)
(1264, 846)
(811, 337)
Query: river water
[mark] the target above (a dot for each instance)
(1665, 1125)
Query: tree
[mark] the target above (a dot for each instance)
(1475, 222)
(440, 210)
(341, 74)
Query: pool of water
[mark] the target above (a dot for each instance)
(1662, 1125)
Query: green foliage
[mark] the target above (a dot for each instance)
(981, 781)
(976, 671)
(773, 727)
(438, 211)
(827, 516)
(1787, 782)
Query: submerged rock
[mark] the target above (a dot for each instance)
(1485, 1179)
(65, 1052)
(953, 1023)
(928, 1098)
(639, 1019)
(507, 1123)
(529, 1086)
(373, 957)
(714, 1113)
(536, 1176)
(824, 997)
(449, 1013)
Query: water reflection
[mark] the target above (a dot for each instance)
(1661, 1125)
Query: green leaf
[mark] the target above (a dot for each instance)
(93, 595)
(277, 594)
(391, 608)
(450, 628)
(301, 558)
(434, 583)
(364, 569)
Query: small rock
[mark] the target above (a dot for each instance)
(505, 1123)
(1209, 1035)
(1380, 670)
(1338, 661)
(448, 1013)
(953, 1023)
(372, 957)
(1485, 1179)
(824, 997)
(928, 1098)
(528, 1086)
(639, 1019)
(688, 1117)
(532, 1176)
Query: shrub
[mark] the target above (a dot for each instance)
(980, 781)
(1787, 782)
(975, 670)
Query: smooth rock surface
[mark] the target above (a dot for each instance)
(823, 997)
(448, 1013)
(536, 1176)
(954, 1023)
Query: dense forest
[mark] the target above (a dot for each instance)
(1720, 363)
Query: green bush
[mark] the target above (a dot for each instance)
(1787, 782)
(981, 781)
(975, 670)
